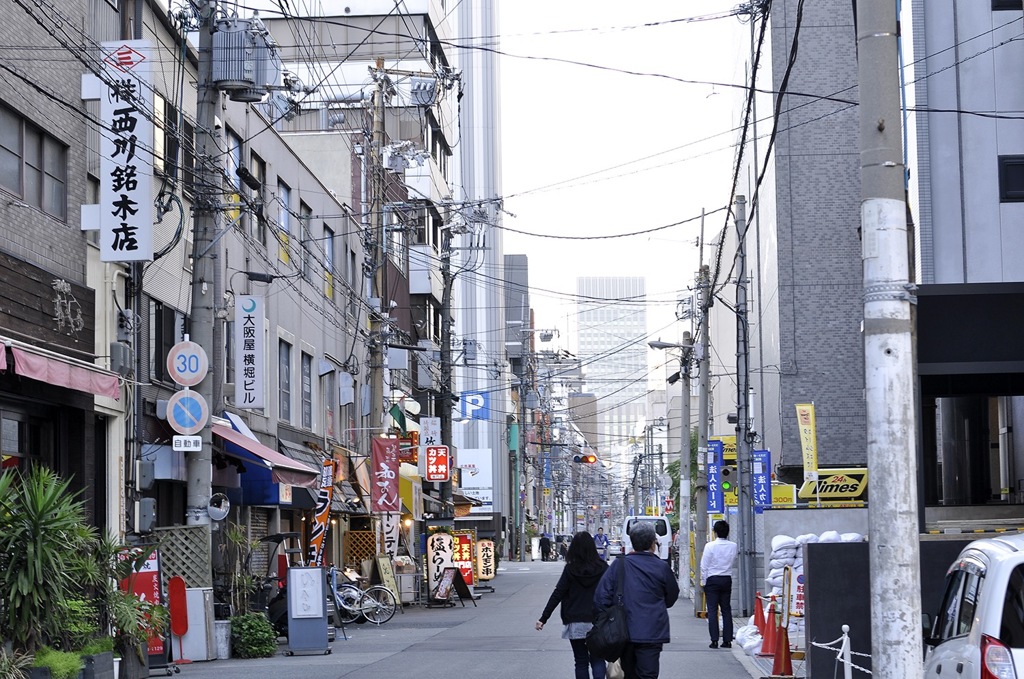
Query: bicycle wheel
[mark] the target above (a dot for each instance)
(347, 600)
(378, 605)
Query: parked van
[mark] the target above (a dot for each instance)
(661, 528)
(978, 631)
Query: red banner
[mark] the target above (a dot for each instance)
(321, 522)
(384, 476)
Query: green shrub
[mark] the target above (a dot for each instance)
(98, 645)
(80, 622)
(62, 664)
(252, 636)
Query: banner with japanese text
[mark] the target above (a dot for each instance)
(440, 549)
(463, 556)
(384, 495)
(808, 439)
(321, 520)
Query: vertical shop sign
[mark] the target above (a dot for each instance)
(440, 551)
(126, 153)
(250, 367)
(485, 562)
(463, 558)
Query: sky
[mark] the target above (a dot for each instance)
(588, 151)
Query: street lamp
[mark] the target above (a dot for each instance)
(684, 448)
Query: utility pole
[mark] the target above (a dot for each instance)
(375, 187)
(683, 501)
(744, 517)
(447, 399)
(700, 530)
(206, 257)
(893, 539)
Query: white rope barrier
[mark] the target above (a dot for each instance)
(843, 653)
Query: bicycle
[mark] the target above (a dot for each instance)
(376, 604)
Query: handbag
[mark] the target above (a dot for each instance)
(609, 635)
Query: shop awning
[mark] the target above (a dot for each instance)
(62, 371)
(285, 469)
(346, 499)
(303, 454)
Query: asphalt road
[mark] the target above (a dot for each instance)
(495, 639)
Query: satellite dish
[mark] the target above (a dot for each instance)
(219, 506)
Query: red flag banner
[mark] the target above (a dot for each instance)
(384, 476)
(321, 521)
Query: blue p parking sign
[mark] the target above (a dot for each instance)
(476, 405)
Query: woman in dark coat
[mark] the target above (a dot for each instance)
(575, 592)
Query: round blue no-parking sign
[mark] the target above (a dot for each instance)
(187, 412)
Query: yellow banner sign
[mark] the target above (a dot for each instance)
(728, 448)
(842, 485)
(808, 439)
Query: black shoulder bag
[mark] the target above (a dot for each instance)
(609, 635)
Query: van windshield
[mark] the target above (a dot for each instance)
(660, 525)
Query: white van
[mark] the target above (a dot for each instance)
(661, 528)
(978, 631)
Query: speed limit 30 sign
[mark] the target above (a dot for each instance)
(187, 363)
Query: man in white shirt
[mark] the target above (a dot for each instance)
(716, 566)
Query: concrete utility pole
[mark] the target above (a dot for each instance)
(375, 188)
(683, 500)
(206, 254)
(700, 529)
(744, 517)
(893, 539)
(447, 400)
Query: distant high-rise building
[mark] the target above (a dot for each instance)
(611, 333)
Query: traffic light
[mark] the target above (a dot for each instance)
(727, 479)
(585, 459)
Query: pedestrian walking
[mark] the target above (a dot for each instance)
(574, 592)
(716, 566)
(601, 542)
(650, 590)
(545, 547)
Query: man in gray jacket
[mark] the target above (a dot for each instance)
(650, 590)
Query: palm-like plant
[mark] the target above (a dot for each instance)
(42, 528)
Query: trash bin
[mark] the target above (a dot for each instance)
(222, 629)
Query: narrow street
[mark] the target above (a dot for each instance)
(496, 636)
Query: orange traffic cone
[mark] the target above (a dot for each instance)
(759, 614)
(783, 665)
(768, 642)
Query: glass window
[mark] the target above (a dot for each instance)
(284, 381)
(1011, 176)
(307, 391)
(305, 246)
(284, 221)
(33, 165)
(1007, 4)
(258, 168)
(328, 262)
(167, 327)
(944, 626)
(1011, 627)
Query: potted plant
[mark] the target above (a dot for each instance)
(42, 528)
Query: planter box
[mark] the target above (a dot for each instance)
(99, 666)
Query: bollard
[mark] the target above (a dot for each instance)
(771, 625)
(759, 614)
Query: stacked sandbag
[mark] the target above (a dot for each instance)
(789, 551)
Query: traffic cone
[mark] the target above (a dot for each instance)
(759, 614)
(783, 665)
(768, 641)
